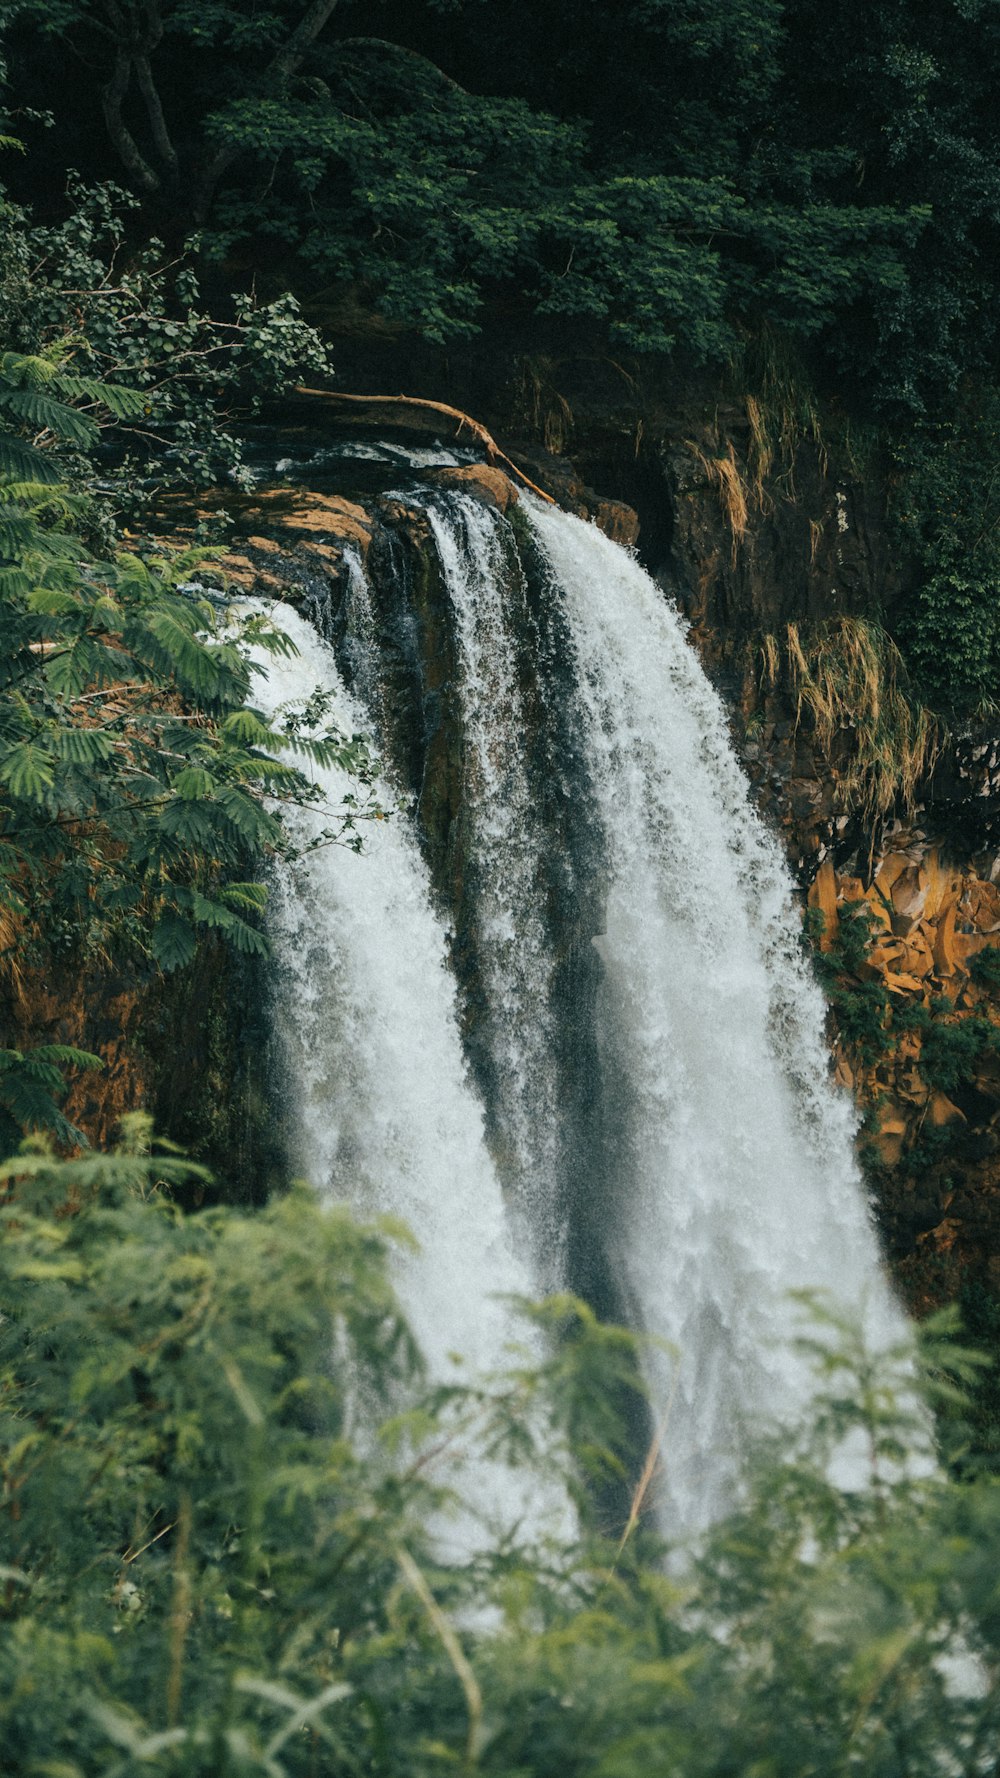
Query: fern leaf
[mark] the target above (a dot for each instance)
(124, 404)
(173, 941)
(23, 461)
(33, 407)
(27, 771)
(194, 783)
(81, 746)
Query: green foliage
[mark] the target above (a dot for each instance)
(870, 1020)
(861, 1005)
(31, 1085)
(948, 512)
(953, 1048)
(138, 789)
(984, 968)
(209, 1569)
(165, 375)
(671, 176)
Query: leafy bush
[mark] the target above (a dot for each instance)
(861, 1005)
(135, 319)
(952, 1049)
(948, 513)
(138, 787)
(221, 1533)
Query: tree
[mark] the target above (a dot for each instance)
(440, 164)
(210, 1569)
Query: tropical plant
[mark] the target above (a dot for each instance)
(138, 785)
(133, 320)
(223, 1528)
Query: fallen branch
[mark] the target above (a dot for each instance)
(464, 422)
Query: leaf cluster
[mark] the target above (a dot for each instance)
(140, 790)
(132, 321)
(220, 1557)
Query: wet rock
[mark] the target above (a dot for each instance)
(617, 521)
(481, 480)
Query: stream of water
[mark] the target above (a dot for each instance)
(648, 1105)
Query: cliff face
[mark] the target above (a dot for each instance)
(783, 562)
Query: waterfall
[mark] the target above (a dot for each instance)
(736, 1181)
(485, 585)
(645, 1114)
(382, 1112)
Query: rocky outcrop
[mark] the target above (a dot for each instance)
(480, 480)
(912, 960)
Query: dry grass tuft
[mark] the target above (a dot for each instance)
(549, 412)
(771, 380)
(724, 474)
(770, 653)
(851, 676)
(11, 939)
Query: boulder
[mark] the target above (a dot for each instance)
(617, 521)
(480, 480)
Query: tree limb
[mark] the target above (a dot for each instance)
(154, 108)
(464, 423)
(282, 68)
(401, 52)
(122, 140)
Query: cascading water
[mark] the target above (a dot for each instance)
(383, 1114)
(646, 1038)
(507, 844)
(736, 1180)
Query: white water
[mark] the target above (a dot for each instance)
(725, 1176)
(506, 844)
(736, 1181)
(383, 1114)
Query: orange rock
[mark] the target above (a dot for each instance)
(891, 1134)
(890, 870)
(617, 521)
(480, 480)
(944, 943)
(884, 955)
(918, 955)
(843, 1074)
(903, 984)
(981, 905)
(329, 517)
(911, 1086)
(879, 910)
(943, 1236)
(967, 944)
(908, 894)
(942, 1111)
(851, 889)
(823, 895)
(943, 885)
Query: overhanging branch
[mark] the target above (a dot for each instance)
(463, 423)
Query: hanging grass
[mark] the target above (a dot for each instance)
(850, 677)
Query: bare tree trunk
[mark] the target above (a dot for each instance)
(137, 31)
(282, 68)
(112, 97)
(157, 122)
